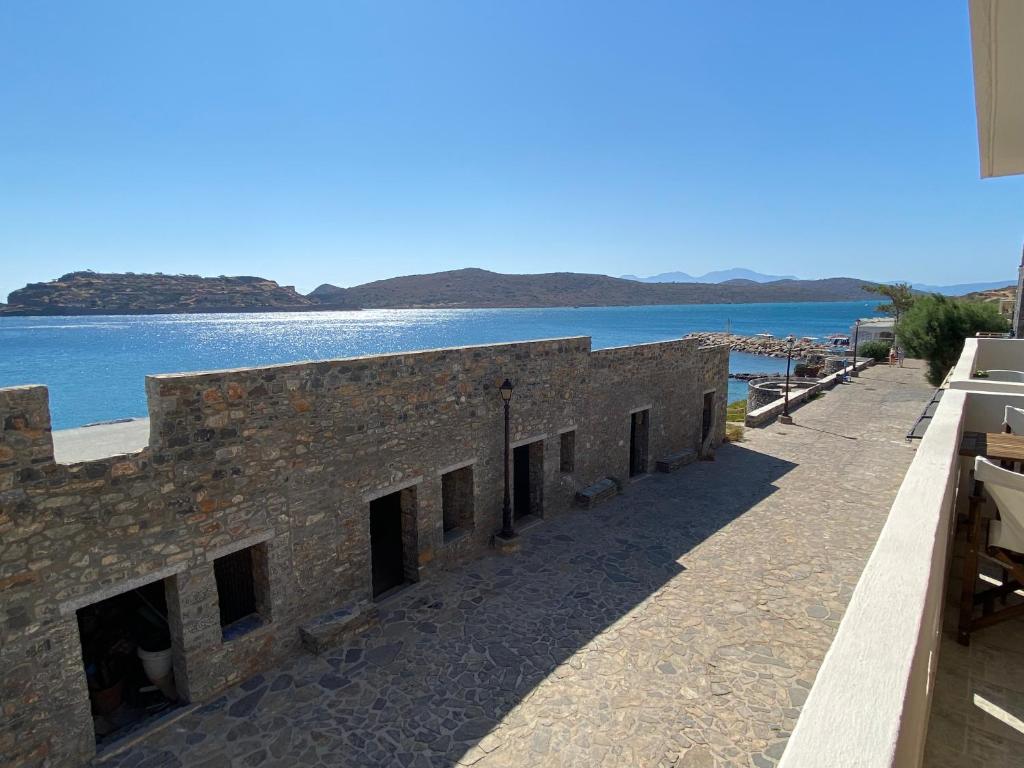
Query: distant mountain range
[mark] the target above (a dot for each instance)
(719, 276)
(738, 273)
(91, 293)
(962, 288)
(480, 288)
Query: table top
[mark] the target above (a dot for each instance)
(1000, 446)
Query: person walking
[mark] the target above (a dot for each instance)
(892, 356)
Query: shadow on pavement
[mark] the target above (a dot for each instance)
(450, 660)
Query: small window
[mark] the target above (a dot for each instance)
(567, 452)
(241, 589)
(457, 501)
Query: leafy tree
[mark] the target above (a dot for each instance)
(901, 298)
(876, 349)
(935, 327)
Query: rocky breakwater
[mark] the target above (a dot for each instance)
(758, 345)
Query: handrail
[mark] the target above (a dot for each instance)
(936, 396)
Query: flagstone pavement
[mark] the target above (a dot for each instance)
(680, 624)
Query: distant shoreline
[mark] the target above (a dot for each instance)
(6, 311)
(91, 293)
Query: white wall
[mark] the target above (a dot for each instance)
(988, 354)
(870, 703)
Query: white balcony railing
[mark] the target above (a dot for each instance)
(870, 704)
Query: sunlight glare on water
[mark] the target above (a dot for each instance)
(95, 366)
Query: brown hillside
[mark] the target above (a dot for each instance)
(481, 288)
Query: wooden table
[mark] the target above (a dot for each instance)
(998, 446)
(1004, 448)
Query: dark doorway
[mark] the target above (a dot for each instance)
(528, 480)
(126, 649)
(707, 420)
(387, 551)
(639, 428)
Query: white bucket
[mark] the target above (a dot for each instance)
(157, 664)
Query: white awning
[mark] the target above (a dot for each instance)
(997, 39)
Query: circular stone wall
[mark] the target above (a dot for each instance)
(761, 392)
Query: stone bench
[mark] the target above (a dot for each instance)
(675, 461)
(328, 630)
(594, 494)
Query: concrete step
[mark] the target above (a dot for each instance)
(675, 461)
(594, 494)
(330, 629)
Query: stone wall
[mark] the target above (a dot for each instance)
(286, 459)
(761, 392)
(767, 412)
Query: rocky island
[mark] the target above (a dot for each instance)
(94, 293)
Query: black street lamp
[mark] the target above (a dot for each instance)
(507, 531)
(790, 341)
(856, 336)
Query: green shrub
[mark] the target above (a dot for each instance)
(877, 349)
(935, 328)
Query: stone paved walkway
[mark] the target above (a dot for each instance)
(681, 624)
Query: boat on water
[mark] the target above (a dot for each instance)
(838, 341)
(764, 335)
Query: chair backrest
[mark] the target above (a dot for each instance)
(999, 374)
(1007, 490)
(1014, 419)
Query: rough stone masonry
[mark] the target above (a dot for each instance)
(286, 461)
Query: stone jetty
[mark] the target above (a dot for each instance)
(758, 345)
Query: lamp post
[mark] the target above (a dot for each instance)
(786, 418)
(856, 336)
(507, 531)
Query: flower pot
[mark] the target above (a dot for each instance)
(157, 666)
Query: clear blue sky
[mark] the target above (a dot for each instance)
(344, 142)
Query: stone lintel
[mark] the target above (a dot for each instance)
(399, 486)
(454, 467)
(68, 607)
(527, 441)
(235, 546)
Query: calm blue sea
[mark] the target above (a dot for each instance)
(95, 366)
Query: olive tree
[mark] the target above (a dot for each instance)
(901, 298)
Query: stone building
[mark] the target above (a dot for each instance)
(274, 507)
